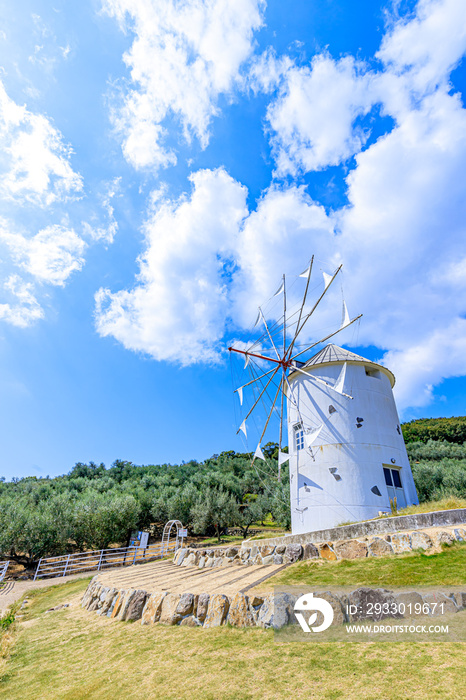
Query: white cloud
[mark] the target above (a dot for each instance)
(34, 161)
(402, 237)
(184, 55)
(426, 48)
(50, 256)
(313, 116)
(313, 119)
(418, 368)
(106, 233)
(178, 309)
(25, 309)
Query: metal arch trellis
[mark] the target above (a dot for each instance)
(166, 535)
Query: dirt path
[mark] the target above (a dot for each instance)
(12, 591)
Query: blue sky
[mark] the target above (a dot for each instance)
(163, 163)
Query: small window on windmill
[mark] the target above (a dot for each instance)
(298, 437)
(372, 373)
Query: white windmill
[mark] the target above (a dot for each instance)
(347, 458)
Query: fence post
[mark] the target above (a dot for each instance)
(37, 570)
(66, 565)
(100, 560)
(135, 555)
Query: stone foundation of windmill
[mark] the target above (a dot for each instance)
(375, 538)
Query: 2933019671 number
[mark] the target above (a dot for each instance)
(403, 608)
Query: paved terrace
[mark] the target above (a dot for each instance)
(165, 576)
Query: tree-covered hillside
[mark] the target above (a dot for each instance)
(424, 429)
(92, 507)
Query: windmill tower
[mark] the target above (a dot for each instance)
(347, 454)
(347, 458)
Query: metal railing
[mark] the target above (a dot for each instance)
(3, 569)
(68, 564)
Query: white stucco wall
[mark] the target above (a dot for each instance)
(318, 499)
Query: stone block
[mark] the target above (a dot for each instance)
(412, 602)
(239, 614)
(459, 598)
(218, 561)
(460, 534)
(277, 559)
(266, 550)
(280, 549)
(256, 601)
(191, 560)
(277, 610)
(185, 605)
(326, 552)
(245, 552)
(209, 563)
(136, 606)
(103, 593)
(153, 608)
(232, 552)
(118, 603)
(444, 537)
(400, 541)
(217, 610)
(310, 551)
(266, 561)
(190, 621)
(379, 548)
(88, 594)
(293, 552)
(168, 614)
(179, 556)
(201, 563)
(111, 607)
(339, 611)
(440, 604)
(420, 540)
(202, 606)
(124, 604)
(254, 552)
(113, 592)
(226, 562)
(350, 549)
(257, 560)
(372, 604)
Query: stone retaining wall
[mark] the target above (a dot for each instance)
(272, 610)
(279, 551)
(397, 523)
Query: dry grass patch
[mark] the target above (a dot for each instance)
(447, 503)
(71, 654)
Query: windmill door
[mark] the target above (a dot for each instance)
(395, 486)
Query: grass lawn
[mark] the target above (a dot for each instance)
(447, 503)
(446, 568)
(72, 654)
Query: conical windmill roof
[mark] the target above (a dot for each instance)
(333, 353)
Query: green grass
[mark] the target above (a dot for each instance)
(446, 503)
(213, 541)
(72, 654)
(447, 568)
